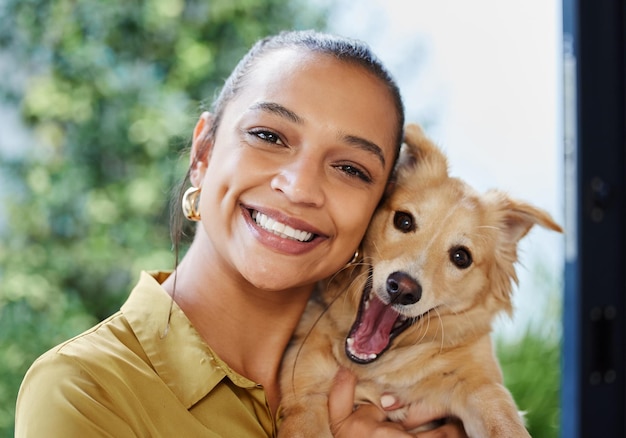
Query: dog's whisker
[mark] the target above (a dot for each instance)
(378, 252)
(425, 329)
(469, 324)
(443, 331)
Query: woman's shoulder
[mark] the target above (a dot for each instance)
(95, 349)
(87, 367)
(83, 385)
(113, 342)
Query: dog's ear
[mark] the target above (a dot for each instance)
(417, 155)
(519, 217)
(419, 151)
(515, 219)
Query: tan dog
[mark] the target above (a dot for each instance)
(414, 319)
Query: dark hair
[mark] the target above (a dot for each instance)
(345, 49)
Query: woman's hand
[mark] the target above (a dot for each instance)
(371, 421)
(367, 420)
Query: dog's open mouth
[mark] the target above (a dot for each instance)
(375, 327)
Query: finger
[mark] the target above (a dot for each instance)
(368, 421)
(450, 430)
(341, 396)
(375, 414)
(341, 399)
(418, 414)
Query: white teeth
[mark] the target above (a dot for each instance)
(279, 228)
(401, 320)
(370, 356)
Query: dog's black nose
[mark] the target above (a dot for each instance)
(403, 289)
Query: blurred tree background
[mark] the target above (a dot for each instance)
(107, 93)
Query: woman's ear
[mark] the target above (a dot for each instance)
(200, 149)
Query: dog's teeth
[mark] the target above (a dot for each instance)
(362, 356)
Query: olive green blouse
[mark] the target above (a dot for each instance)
(128, 377)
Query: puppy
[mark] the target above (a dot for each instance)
(413, 320)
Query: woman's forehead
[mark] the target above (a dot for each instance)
(293, 63)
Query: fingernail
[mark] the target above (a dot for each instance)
(387, 401)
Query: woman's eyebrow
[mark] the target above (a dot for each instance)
(353, 140)
(278, 109)
(366, 145)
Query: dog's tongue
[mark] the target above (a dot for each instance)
(371, 334)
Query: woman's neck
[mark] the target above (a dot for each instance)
(248, 328)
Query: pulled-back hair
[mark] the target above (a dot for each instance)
(345, 49)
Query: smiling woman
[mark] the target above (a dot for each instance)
(320, 180)
(286, 171)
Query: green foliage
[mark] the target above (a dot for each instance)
(109, 92)
(531, 367)
(531, 361)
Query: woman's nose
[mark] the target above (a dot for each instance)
(301, 181)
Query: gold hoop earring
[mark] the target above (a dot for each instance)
(190, 202)
(355, 257)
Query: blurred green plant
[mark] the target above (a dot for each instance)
(531, 361)
(108, 92)
(531, 367)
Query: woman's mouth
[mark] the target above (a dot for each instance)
(280, 229)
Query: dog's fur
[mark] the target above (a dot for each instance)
(441, 255)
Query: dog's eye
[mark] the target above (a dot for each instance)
(403, 221)
(461, 257)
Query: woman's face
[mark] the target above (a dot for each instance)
(298, 164)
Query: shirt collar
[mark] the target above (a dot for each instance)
(176, 351)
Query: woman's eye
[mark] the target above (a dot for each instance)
(404, 221)
(354, 171)
(267, 136)
(461, 257)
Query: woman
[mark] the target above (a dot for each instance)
(285, 173)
